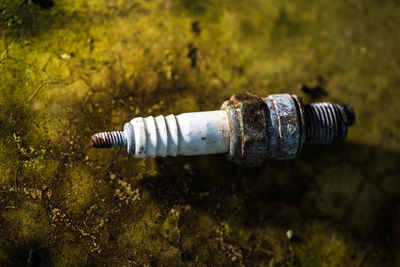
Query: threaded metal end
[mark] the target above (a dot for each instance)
(326, 122)
(108, 139)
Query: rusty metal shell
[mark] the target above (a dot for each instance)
(248, 129)
(284, 123)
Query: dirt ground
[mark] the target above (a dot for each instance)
(69, 69)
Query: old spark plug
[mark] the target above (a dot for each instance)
(248, 128)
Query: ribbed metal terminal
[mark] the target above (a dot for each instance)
(109, 139)
(327, 122)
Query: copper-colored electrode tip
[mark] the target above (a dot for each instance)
(100, 141)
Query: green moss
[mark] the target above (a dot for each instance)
(27, 223)
(327, 248)
(81, 67)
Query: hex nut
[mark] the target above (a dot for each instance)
(248, 129)
(285, 126)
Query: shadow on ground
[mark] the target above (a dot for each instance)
(354, 188)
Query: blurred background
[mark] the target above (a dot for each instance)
(69, 69)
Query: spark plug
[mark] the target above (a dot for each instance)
(247, 128)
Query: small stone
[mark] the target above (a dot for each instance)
(65, 56)
(289, 234)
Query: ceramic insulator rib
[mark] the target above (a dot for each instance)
(195, 133)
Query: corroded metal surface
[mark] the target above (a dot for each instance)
(248, 129)
(108, 139)
(327, 122)
(279, 125)
(284, 127)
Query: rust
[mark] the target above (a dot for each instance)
(108, 139)
(100, 141)
(240, 99)
(255, 115)
(247, 119)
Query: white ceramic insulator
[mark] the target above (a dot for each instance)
(195, 133)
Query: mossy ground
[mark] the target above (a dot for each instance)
(74, 68)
